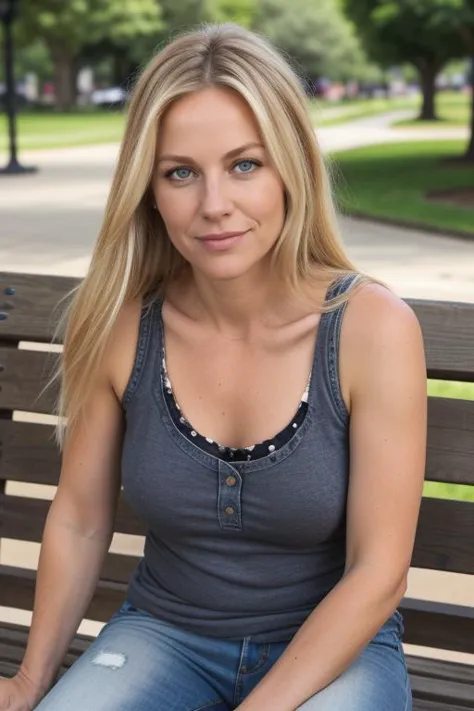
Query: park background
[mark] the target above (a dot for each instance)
(390, 91)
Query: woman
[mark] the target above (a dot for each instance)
(262, 403)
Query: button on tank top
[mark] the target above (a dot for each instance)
(237, 548)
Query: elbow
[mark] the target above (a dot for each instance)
(86, 522)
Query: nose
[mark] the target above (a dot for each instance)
(216, 201)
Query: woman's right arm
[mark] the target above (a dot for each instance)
(76, 538)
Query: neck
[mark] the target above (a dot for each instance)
(239, 307)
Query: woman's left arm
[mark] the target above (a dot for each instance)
(382, 362)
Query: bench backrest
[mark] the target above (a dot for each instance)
(28, 454)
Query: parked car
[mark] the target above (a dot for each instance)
(109, 97)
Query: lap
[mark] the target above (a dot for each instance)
(129, 667)
(139, 663)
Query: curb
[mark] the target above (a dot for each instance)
(439, 231)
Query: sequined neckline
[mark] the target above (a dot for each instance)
(233, 453)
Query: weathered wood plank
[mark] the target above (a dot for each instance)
(450, 449)
(23, 519)
(448, 332)
(28, 451)
(23, 376)
(443, 542)
(445, 535)
(451, 693)
(438, 625)
(440, 669)
(34, 308)
(17, 588)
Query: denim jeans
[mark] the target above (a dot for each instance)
(140, 663)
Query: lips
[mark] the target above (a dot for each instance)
(222, 241)
(220, 236)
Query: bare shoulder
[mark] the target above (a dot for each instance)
(374, 306)
(375, 313)
(121, 347)
(380, 332)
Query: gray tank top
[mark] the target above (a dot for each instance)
(237, 549)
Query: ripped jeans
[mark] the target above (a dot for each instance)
(139, 663)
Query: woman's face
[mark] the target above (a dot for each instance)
(213, 177)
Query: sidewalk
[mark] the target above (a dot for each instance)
(49, 223)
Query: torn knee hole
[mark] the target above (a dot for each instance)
(110, 660)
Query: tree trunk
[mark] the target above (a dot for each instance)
(64, 79)
(428, 70)
(469, 154)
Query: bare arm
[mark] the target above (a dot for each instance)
(387, 376)
(77, 534)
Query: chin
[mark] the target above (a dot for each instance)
(225, 269)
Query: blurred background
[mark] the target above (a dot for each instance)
(390, 90)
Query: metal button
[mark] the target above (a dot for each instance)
(229, 510)
(231, 481)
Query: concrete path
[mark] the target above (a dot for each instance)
(379, 129)
(49, 222)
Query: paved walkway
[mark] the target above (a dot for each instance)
(49, 222)
(378, 129)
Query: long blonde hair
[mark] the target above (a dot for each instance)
(133, 255)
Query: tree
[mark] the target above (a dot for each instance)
(315, 35)
(458, 16)
(67, 27)
(243, 12)
(399, 31)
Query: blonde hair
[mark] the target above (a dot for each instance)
(133, 256)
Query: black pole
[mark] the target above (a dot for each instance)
(13, 167)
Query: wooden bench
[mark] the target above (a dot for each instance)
(445, 538)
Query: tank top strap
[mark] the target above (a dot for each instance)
(325, 377)
(148, 344)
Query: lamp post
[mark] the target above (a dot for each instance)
(8, 11)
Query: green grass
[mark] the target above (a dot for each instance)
(391, 181)
(52, 130)
(87, 127)
(439, 490)
(453, 109)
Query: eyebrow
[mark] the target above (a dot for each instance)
(230, 154)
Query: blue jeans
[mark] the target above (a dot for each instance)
(139, 663)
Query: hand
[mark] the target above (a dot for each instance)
(19, 693)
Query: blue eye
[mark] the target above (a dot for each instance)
(177, 171)
(250, 164)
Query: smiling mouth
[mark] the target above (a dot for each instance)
(221, 242)
(222, 236)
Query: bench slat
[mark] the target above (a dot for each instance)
(448, 328)
(443, 542)
(13, 640)
(17, 589)
(31, 309)
(424, 705)
(29, 453)
(444, 536)
(23, 519)
(439, 625)
(440, 669)
(448, 332)
(428, 624)
(443, 691)
(23, 377)
(450, 447)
